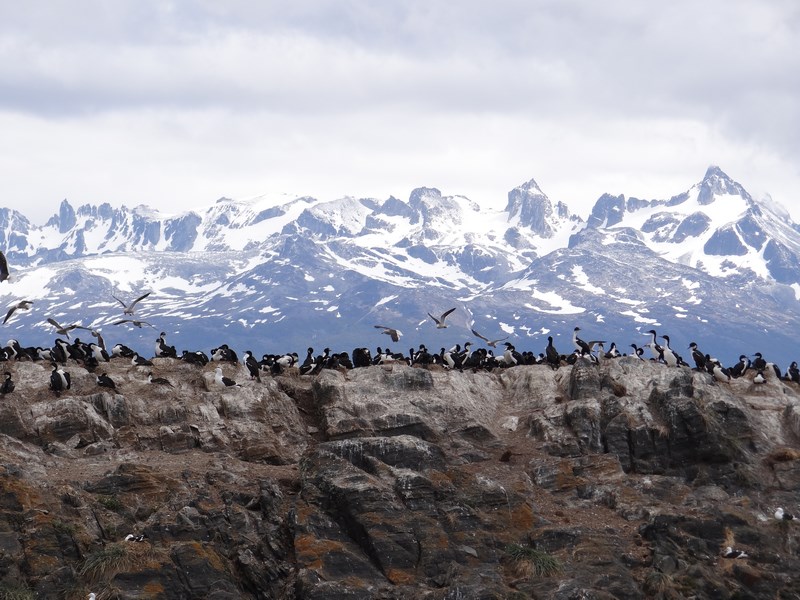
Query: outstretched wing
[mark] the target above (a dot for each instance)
(478, 335)
(391, 332)
(447, 312)
(120, 301)
(140, 298)
(494, 342)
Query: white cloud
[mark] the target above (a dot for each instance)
(176, 104)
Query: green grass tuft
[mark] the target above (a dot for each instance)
(111, 503)
(111, 559)
(16, 592)
(531, 562)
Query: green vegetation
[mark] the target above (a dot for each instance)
(16, 592)
(111, 503)
(531, 562)
(111, 559)
(63, 527)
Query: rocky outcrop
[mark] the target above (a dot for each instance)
(620, 480)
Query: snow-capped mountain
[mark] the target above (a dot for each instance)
(715, 226)
(277, 273)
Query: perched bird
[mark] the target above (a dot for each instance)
(698, 357)
(98, 353)
(104, 380)
(782, 515)
(61, 329)
(162, 349)
(3, 267)
(731, 553)
(551, 354)
(222, 380)
(135, 538)
(740, 367)
(668, 354)
(95, 334)
(8, 385)
(720, 373)
(758, 362)
(139, 361)
(252, 365)
(583, 347)
(60, 380)
(394, 334)
(655, 347)
(638, 352)
(198, 357)
(21, 305)
(158, 380)
(134, 322)
(121, 350)
(440, 324)
(130, 308)
(490, 343)
(759, 377)
(793, 372)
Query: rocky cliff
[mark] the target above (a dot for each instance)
(623, 480)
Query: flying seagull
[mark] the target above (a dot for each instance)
(21, 305)
(129, 308)
(392, 333)
(440, 321)
(492, 343)
(60, 329)
(3, 267)
(134, 322)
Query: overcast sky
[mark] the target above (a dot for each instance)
(175, 104)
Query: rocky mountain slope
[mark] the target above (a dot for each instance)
(276, 274)
(620, 480)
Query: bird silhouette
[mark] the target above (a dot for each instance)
(130, 308)
(392, 333)
(440, 324)
(21, 305)
(62, 329)
(492, 343)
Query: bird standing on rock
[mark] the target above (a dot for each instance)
(8, 385)
(731, 553)
(60, 380)
(104, 380)
(222, 380)
(252, 365)
(158, 380)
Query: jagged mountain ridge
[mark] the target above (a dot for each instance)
(283, 272)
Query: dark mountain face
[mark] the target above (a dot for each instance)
(709, 265)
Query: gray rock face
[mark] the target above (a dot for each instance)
(619, 480)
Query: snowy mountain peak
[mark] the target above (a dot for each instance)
(529, 207)
(65, 219)
(717, 184)
(715, 226)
